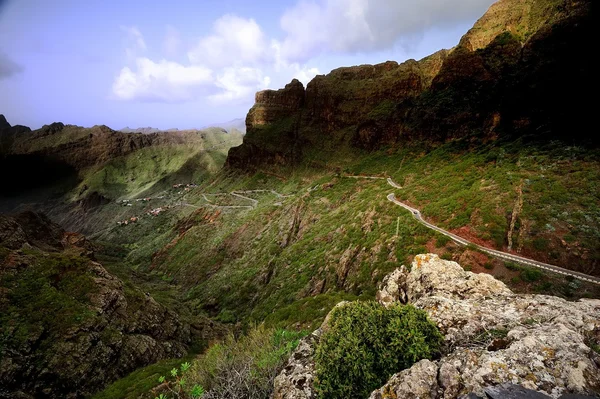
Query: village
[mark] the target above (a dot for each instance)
(184, 188)
(155, 211)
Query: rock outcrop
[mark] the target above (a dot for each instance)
(271, 128)
(9, 134)
(508, 76)
(63, 316)
(296, 380)
(493, 337)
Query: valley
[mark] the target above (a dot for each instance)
(133, 260)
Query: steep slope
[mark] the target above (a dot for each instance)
(67, 170)
(508, 76)
(492, 139)
(67, 325)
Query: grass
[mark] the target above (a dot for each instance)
(139, 383)
(59, 284)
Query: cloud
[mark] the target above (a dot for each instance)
(234, 40)
(306, 74)
(239, 83)
(350, 26)
(134, 41)
(291, 69)
(172, 42)
(226, 67)
(162, 81)
(8, 67)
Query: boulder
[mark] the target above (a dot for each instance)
(494, 336)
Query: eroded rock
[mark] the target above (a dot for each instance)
(494, 336)
(297, 378)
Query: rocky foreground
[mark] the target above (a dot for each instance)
(493, 338)
(67, 325)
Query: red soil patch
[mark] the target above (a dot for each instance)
(466, 232)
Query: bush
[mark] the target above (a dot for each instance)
(366, 343)
(441, 241)
(512, 266)
(531, 275)
(243, 368)
(446, 256)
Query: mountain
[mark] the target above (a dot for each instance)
(238, 124)
(63, 316)
(144, 130)
(333, 187)
(60, 163)
(508, 76)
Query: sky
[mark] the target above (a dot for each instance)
(192, 63)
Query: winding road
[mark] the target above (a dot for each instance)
(498, 254)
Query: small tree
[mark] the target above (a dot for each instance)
(365, 344)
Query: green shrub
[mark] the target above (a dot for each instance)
(244, 367)
(488, 265)
(541, 244)
(446, 256)
(512, 266)
(441, 241)
(366, 343)
(531, 275)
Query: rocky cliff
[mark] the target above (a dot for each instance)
(492, 337)
(523, 69)
(82, 147)
(64, 317)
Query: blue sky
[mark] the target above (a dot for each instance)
(191, 63)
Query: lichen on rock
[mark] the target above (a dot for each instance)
(493, 337)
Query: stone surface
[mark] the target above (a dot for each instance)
(537, 344)
(494, 336)
(418, 382)
(296, 380)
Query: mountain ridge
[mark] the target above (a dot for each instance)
(482, 88)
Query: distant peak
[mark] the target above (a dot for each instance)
(3, 122)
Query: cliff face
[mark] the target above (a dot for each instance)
(83, 147)
(272, 127)
(63, 316)
(509, 75)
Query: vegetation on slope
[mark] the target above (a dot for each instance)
(237, 367)
(364, 344)
(287, 261)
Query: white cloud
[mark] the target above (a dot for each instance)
(306, 74)
(8, 67)
(225, 66)
(163, 81)
(234, 40)
(172, 41)
(349, 26)
(291, 70)
(134, 41)
(239, 83)
(237, 58)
